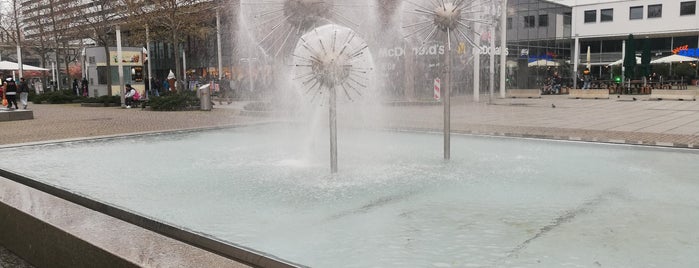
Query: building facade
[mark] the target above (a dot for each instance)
(537, 32)
(670, 26)
(56, 32)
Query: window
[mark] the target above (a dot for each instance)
(137, 74)
(688, 8)
(509, 23)
(102, 75)
(655, 11)
(606, 14)
(636, 13)
(544, 20)
(590, 16)
(529, 21)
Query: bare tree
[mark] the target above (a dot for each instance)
(98, 21)
(41, 41)
(173, 21)
(10, 25)
(49, 27)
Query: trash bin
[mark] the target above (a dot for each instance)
(205, 97)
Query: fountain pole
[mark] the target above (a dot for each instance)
(332, 101)
(447, 105)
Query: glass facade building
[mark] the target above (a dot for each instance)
(538, 41)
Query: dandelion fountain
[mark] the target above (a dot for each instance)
(450, 21)
(329, 58)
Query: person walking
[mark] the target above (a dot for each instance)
(76, 88)
(3, 85)
(11, 93)
(23, 90)
(587, 78)
(84, 88)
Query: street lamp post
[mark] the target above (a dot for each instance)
(121, 67)
(218, 45)
(503, 47)
(150, 57)
(53, 75)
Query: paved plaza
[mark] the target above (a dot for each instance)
(616, 120)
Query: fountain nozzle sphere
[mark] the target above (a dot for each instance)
(332, 68)
(447, 16)
(306, 13)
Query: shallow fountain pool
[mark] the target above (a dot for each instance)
(395, 202)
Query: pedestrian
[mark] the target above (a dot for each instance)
(166, 85)
(587, 78)
(76, 89)
(38, 86)
(84, 88)
(11, 93)
(154, 91)
(555, 83)
(2, 92)
(23, 90)
(128, 97)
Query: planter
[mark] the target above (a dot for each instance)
(674, 94)
(589, 94)
(98, 104)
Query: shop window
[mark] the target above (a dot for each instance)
(636, 13)
(688, 8)
(606, 14)
(137, 74)
(529, 21)
(544, 20)
(590, 16)
(655, 11)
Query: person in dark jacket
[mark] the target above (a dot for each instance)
(83, 87)
(23, 90)
(76, 87)
(587, 78)
(11, 93)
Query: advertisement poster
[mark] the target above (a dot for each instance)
(129, 58)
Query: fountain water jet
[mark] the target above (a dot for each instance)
(331, 57)
(279, 23)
